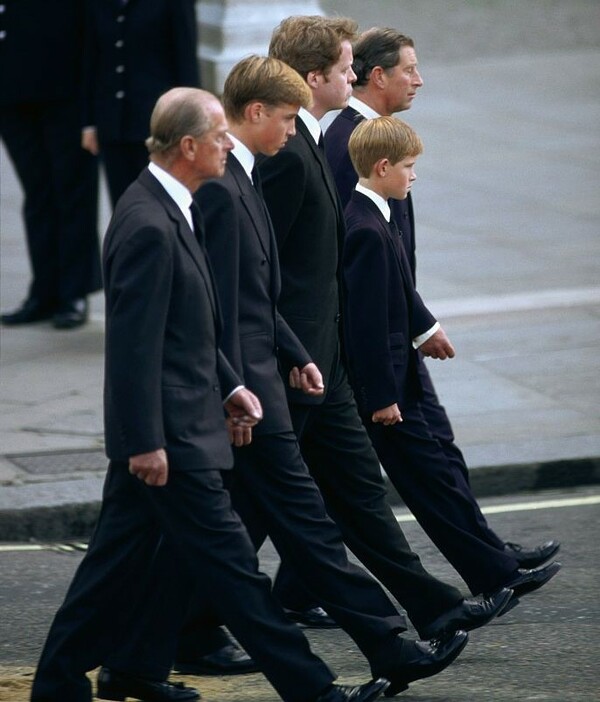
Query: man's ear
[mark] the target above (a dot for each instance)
(188, 147)
(253, 111)
(312, 79)
(378, 77)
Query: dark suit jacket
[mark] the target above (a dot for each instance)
(336, 149)
(133, 54)
(243, 253)
(307, 216)
(164, 378)
(383, 310)
(41, 51)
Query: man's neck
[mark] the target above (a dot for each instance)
(373, 100)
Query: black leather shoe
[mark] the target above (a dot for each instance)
(532, 557)
(422, 659)
(228, 660)
(527, 581)
(468, 615)
(112, 685)
(32, 310)
(313, 618)
(71, 315)
(361, 693)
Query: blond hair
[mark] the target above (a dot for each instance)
(382, 137)
(263, 79)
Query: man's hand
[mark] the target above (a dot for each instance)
(89, 140)
(244, 409)
(239, 436)
(152, 467)
(387, 415)
(438, 346)
(307, 379)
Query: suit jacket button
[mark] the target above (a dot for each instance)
(338, 316)
(215, 388)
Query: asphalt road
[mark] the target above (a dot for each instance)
(545, 649)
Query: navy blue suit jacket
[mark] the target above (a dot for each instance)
(383, 311)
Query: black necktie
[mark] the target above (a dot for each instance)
(321, 142)
(256, 181)
(198, 222)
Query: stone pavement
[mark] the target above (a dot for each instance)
(508, 219)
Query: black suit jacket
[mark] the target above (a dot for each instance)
(307, 217)
(243, 253)
(133, 54)
(164, 378)
(383, 311)
(41, 51)
(336, 148)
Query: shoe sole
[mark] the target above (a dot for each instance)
(512, 603)
(298, 619)
(402, 685)
(122, 696)
(193, 669)
(534, 585)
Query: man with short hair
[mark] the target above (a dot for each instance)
(431, 475)
(165, 389)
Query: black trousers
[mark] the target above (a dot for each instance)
(110, 592)
(60, 184)
(274, 495)
(341, 459)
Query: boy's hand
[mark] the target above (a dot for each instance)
(438, 346)
(307, 379)
(387, 415)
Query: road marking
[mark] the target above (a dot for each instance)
(526, 506)
(491, 509)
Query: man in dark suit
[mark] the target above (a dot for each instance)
(388, 79)
(40, 81)
(309, 228)
(135, 50)
(272, 489)
(166, 384)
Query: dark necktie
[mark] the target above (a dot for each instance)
(321, 142)
(256, 182)
(198, 223)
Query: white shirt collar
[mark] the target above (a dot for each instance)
(312, 123)
(362, 108)
(243, 155)
(382, 203)
(176, 189)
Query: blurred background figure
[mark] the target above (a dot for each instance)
(40, 124)
(135, 50)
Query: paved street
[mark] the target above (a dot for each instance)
(545, 649)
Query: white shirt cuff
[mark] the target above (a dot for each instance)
(422, 338)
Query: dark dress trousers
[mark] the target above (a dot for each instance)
(309, 229)
(40, 81)
(165, 381)
(382, 317)
(272, 490)
(134, 52)
(434, 414)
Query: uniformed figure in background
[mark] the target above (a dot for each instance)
(40, 124)
(135, 50)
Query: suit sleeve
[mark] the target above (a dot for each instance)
(289, 347)
(284, 178)
(223, 246)
(365, 274)
(139, 279)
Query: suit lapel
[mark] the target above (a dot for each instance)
(322, 161)
(184, 234)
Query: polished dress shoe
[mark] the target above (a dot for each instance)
(526, 581)
(32, 310)
(468, 615)
(532, 557)
(361, 693)
(312, 618)
(228, 660)
(422, 659)
(71, 314)
(112, 685)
